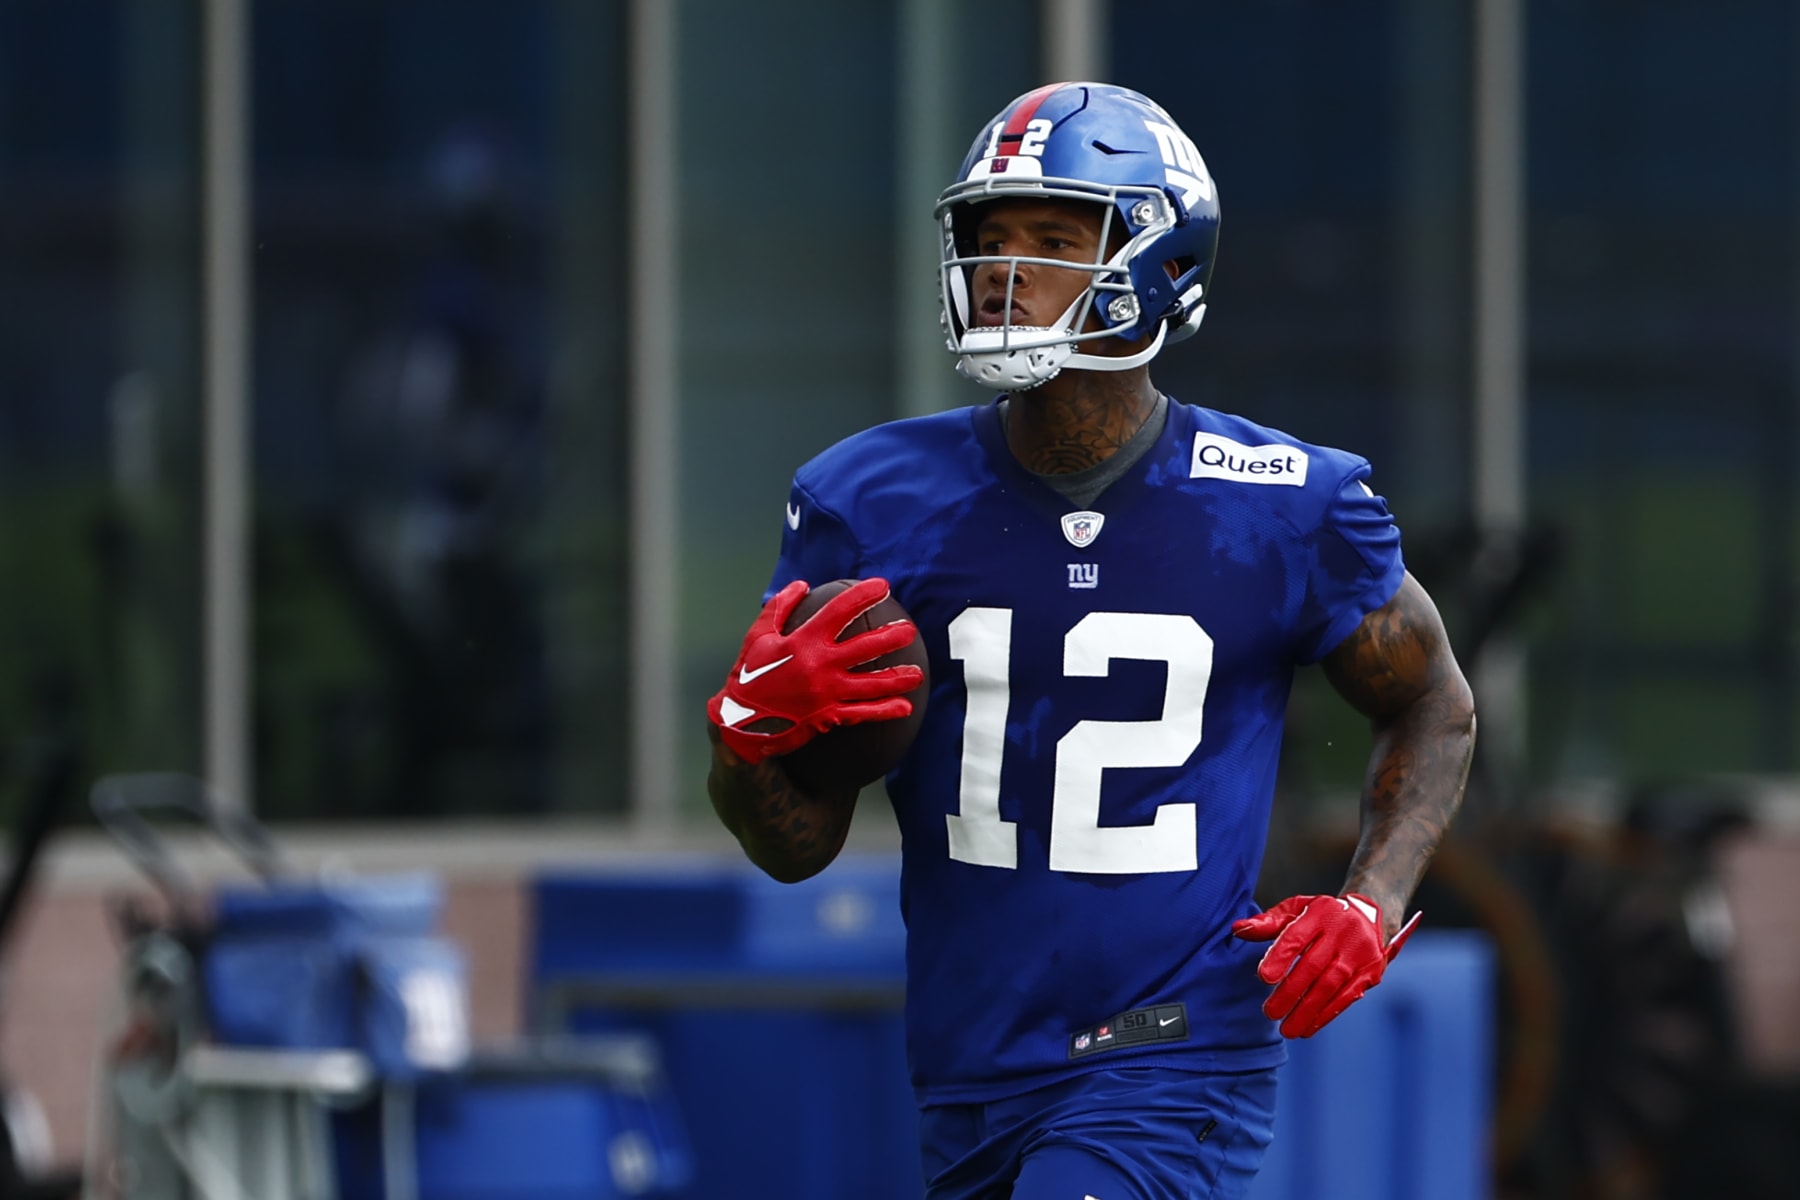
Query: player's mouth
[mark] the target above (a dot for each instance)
(994, 311)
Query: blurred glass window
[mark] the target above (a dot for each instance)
(1662, 376)
(439, 374)
(99, 387)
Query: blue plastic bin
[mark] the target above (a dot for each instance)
(539, 1123)
(353, 964)
(701, 917)
(778, 1009)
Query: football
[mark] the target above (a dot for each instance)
(854, 756)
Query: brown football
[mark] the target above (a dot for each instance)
(854, 756)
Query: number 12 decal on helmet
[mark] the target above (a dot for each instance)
(1030, 142)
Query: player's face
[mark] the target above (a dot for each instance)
(1059, 229)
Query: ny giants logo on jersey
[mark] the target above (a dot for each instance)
(1218, 457)
(1084, 575)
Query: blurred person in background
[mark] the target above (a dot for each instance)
(442, 423)
(1114, 590)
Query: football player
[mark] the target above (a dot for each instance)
(1114, 590)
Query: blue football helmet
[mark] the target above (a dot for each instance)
(1105, 145)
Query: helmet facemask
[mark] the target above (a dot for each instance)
(1017, 357)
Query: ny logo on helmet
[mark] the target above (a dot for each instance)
(1185, 170)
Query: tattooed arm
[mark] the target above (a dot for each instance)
(1397, 670)
(790, 834)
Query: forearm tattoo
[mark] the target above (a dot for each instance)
(1397, 669)
(789, 833)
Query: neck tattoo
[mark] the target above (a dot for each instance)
(1077, 431)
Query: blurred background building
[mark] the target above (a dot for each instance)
(398, 399)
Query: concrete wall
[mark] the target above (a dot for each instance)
(1761, 881)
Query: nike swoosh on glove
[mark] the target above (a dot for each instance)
(1326, 953)
(787, 688)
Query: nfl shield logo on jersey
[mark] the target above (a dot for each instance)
(1081, 528)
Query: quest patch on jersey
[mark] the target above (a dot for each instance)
(1158, 1023)
(1218, 457)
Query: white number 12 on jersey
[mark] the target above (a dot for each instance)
(981, 639)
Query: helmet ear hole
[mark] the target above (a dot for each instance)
(1177, 267)
(962, 233)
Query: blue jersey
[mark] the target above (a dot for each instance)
(1085, 808)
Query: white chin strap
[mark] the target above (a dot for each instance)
(1015, 358)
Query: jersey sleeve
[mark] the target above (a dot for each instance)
(1353, 566)
(816, 544)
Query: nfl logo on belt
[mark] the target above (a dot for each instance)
(1081, 528)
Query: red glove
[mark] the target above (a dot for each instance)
(804, 680)
(1327, 952)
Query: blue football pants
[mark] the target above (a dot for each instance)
(1133, 1133)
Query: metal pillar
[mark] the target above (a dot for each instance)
(655, 521)
(1075, 41)
(225, 338)
(1499, 342)
(1499, 466)
(927, 158)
